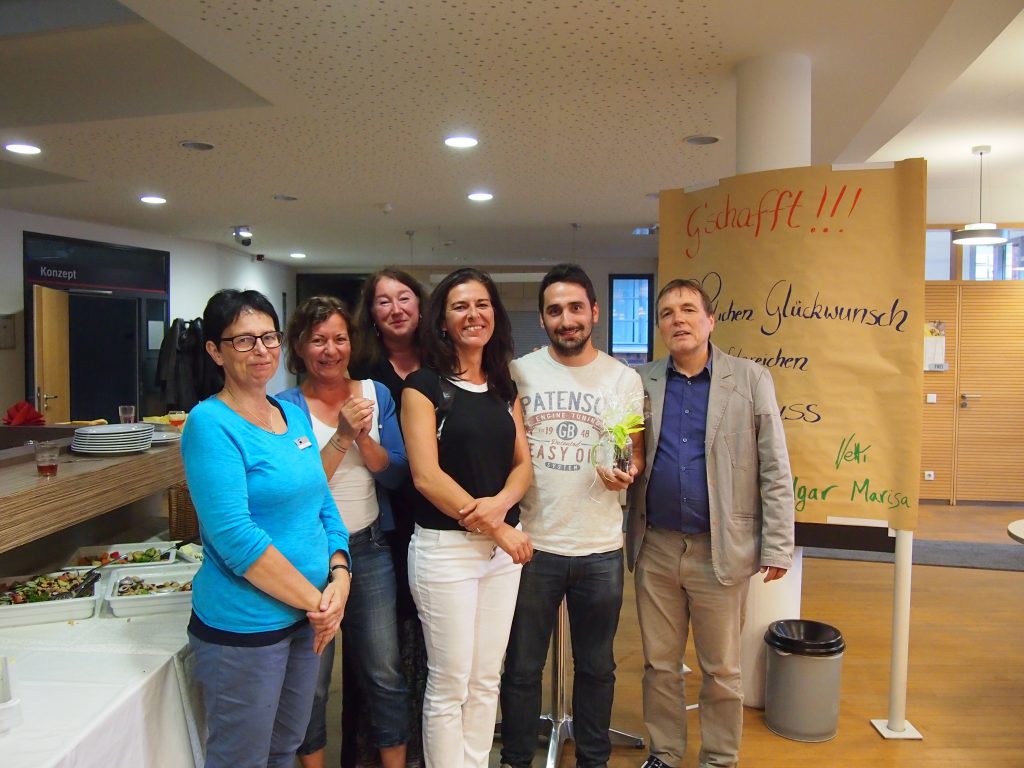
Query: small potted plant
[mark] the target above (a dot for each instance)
(622, 445)
(621, 416)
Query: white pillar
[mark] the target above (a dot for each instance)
(773, 113)
(773, 130)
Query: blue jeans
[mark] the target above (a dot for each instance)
(370, 634)
(592, 588)
(256, 699)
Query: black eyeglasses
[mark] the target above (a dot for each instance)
(247, 342)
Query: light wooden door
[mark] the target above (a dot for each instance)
(990, 408)
(51, 353)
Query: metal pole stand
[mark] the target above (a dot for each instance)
(896, 726)
(559, 721)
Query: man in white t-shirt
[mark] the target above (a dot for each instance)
(572, 513)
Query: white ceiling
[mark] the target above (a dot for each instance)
(581, 107)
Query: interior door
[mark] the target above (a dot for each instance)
(51, 353)
(990, 419)
(104, 333)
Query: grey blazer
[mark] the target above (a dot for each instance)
(750, 486)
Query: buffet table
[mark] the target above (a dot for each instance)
(32, 506)
(104, 691)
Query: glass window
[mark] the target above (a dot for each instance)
(938, 255)
(995, 262)
(631, 335)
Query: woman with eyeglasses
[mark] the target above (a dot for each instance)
(271, 591)
(463, 426)
(363, 456)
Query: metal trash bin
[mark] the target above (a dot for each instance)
(802, 691)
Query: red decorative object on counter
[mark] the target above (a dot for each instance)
(22, 414)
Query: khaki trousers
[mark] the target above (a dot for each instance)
(676, 587)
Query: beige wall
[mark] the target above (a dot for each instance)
(937, 419)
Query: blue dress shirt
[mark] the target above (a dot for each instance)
(677, 494)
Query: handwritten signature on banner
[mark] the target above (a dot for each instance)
(862, 491)
(851, 451)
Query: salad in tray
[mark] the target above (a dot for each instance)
(41, 589)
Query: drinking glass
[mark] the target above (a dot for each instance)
(176, 419)
(126, 413)
(46, 458)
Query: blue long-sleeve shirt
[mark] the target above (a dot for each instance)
(677, 493)
(251, 489)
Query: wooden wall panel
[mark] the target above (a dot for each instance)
(990, 431)
(938, 419)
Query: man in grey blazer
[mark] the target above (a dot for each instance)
(713, 506)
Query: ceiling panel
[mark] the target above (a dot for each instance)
(581, 110)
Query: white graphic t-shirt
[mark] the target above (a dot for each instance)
(567, 510)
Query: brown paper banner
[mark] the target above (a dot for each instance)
(819, 275)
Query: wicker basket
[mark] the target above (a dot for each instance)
(182, 522)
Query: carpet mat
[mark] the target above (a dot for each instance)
(952, 554)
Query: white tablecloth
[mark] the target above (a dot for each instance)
(101, 692)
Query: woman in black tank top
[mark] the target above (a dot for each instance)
(470, 462)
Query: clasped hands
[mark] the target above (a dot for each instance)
(355, 419)
(327, 619)
(487, 515)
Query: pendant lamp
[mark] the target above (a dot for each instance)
(980, 233)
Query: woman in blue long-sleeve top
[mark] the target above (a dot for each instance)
(272, 589)
(363, 457)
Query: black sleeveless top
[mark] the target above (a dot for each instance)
(476, 447)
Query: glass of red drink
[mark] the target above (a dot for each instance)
(176, 419)
(46, 458)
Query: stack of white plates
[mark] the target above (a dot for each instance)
(112, 439)
(163, 438)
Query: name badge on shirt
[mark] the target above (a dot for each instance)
(303, 443)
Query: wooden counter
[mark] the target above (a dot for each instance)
(32, 506)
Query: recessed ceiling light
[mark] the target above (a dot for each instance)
(152, 200)
(197, 146)
(461, 142)
(701, 139)
(297, 255)
(23, 149)
(285, 198)
(480, 197)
